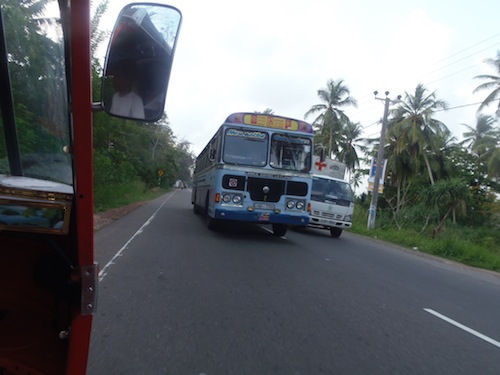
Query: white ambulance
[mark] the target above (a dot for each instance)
(332, 199)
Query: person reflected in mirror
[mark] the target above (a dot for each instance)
(126, 102)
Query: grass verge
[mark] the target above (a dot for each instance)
(477, 247)
(113, 196)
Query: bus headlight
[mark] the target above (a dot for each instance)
(300, 205)
(226, 198)
(237, 199)
(290, 205)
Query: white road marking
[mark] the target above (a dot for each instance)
(465, 328)
(103, 271)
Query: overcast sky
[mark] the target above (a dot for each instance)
(237, 56)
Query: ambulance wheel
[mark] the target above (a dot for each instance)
(335, 232)
(279, 229)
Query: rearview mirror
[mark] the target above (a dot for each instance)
(139, 61)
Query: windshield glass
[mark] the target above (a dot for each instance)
(292, 153)
(245, 147)
(39, 116)
(323, 188)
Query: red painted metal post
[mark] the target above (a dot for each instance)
(84, 179)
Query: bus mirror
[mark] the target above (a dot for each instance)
(139, 61)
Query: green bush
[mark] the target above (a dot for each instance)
(117, 195)
(110, 168)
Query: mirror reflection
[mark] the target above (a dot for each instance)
(33, 217)
(139, 61)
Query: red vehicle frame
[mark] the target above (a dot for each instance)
(28, 342)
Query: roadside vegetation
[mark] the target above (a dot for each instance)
(120, 195)
(473, 246)
(133, 160)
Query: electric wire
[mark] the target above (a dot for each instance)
(365, 109)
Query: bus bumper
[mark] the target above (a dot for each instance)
(263, 217)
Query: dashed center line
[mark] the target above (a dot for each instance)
(465, 328)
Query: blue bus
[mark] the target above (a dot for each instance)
(256, 168)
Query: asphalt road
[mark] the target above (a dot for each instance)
(176, 298)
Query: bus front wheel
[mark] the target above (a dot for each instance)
(197, 209)
(212, 223)
(279, 229)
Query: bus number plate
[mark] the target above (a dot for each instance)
(264, 206)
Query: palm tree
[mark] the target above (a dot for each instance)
(475, 136)
(267, 111)
(349, 140)
(484, 141)
(331, 117)
(443, 143)
(494, 83)
(400, 165)
(494, 164)
(417, 127)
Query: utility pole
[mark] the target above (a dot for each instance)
(372, 212)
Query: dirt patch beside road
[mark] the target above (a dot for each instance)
(101, 219)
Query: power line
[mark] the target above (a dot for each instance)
(371, 107)
(465, 49)
(464, 105)
(439, 110)
(452, 74)
(367, 126)
(424, 73)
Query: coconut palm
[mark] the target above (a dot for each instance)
(484, 141)
(494, 164)
(443, 143)
(331, 117)
(401, 167)
(349, 140)
(492, 84)
(417, 127)
(476, 138)
(267, 111)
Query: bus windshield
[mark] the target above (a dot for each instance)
(34, 126)
(290, 152)
(245, 147)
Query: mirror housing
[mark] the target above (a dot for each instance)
(139, 61)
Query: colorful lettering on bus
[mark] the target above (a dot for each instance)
(255, 169)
